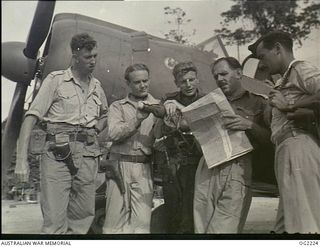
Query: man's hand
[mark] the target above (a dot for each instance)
(141, 115)
(171, 106)
(236, 122)
(277, 100)
(22, 170)
(269, 83)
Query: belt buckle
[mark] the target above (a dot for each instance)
(62, 138)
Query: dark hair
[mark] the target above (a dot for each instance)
(135, 67)
(183, 68)
(231, 61)
(270, 39)
(82, 40)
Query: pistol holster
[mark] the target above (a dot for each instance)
(113, 172)
(62, 152)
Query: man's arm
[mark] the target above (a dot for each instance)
(119, 129)
(257, 129)
(102, 123)
(22, 166)
(103, 118)
(307, 102)
(38, 109)
(171, 107)
(305, 108)
(260, 131)
(302, 109)
(260, 134)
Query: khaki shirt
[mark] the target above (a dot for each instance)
(62, 100)
(303, 79)
(122, 132)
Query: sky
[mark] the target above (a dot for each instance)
(147, 16)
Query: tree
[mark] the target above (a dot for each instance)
(177, 17)
(257, 17)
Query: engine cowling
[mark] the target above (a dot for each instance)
(15, 65)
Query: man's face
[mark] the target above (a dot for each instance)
(268, 58)
(188, 83)
(87, 59)
(139, 83)
(227, 79)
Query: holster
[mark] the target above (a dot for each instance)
(62, 152)
(113, 172)
(91, 136)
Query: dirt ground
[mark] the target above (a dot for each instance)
(25, 218)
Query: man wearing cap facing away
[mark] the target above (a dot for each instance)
(297, 159)
(130, 190)
(181, 152)
(222, 194)
(74, 108)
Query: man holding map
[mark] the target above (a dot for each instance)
(222, 192)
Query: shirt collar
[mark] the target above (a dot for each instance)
(288, 69)
(280, 81)
(239, 95)
(150, 99)
(186, 100)
(69, 76)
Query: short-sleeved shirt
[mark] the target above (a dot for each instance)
(61, 99)
(302, 80)
(125, 137)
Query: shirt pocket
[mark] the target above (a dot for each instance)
(253, 115)
(94, 105)
(69, 101)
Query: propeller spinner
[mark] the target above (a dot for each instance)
(18, 64)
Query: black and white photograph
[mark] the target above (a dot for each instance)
(164, 120)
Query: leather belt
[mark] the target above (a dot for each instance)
(287, 134)
(130, 158)
(80, 137)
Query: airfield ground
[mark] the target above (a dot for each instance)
(25, 218)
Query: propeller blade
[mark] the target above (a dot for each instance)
(11, 132)
(37, 35)
(39, 28)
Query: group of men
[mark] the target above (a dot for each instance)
(197, 199)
